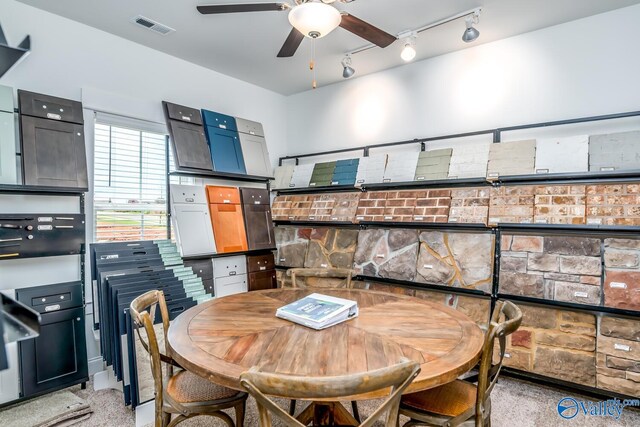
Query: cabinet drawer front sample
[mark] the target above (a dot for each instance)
(262, 280)
(249, 127)
(50, 107)
(224, 143)
(231, 285)
(190, 216)
(259, 263)
(188, 142)
(53, 153)
(256, 155)
(37, 235)
(229, 266)
(7, 137)
(227, 219)
(257, 218)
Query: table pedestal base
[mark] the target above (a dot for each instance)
(327, 414)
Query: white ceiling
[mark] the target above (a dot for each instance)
(245, 45)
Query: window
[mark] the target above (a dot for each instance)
(130, 189)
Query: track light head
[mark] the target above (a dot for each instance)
(408, 51)
(470, 33)
(347, 70)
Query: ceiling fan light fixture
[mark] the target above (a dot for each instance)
(408, 51)
(347, 70)
(315, 20)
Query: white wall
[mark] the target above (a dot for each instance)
(582, 68)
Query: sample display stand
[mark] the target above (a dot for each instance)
(587, 230)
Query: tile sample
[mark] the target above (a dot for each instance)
(433, 164)
(254, 147)
(390, 254)
(188, 141)
(469, 160)
(301, 176)
(561, 268)
(191, 220)
(614, 151)
(461, 260)
(371, 169)
(560, 204)
(556, 343)
(618, 355)
(345, 207)
(224, 142)
(331, 248)
(558, 155)
(227, 218)
(345, 172)
(282, 177)
(432, 206)
(8, 173)
(613, 204)
(257, 218)
(371, 206)
(512, 158)
(401, 167)
(622, 273)
(292, 244)
(470, 205)
(511, 204)
(322, 175)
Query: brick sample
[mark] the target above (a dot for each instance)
(622, 273)
(321, 207)
(345, 207)
(390, 254)
(512, 158)
(615, 204)
(400, 205)
(401, 167)
(292, 244)
(614, 151)
(371, 206)
(461, 260)
(469, 160)
(470, 205)
(432, 206)
(280, 208)
(331, 248)
(511, 204)
(618, 355)
(561, 268)
(371, 169)
(301, 176)
(558, 155)
(560, 204)
(433, 164)
(554, 343)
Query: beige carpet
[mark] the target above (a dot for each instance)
(515, 403)
(62, 408)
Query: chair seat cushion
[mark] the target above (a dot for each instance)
(450, 399)
(185, 387)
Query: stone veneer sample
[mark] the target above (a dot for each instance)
(390, 254)
(331, 248)
(554, 343)
(560, 204)
(461, 260)
(561, 268)
(512, 158)
(618, 355)
(433, 164)
(401, 167)
(371, 206)
(292, 244)
(345, 207)
(558, 155)
(622, 273)
(614, 151)
(371, 169)
(469, 205)
(511, 204)
(282, 176)
(469, 160)
(614, 204)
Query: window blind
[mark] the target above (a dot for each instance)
(130, 192)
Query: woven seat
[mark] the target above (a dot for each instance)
(185, 387)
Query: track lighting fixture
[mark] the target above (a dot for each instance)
(471, 34)
(409, 51)
(348, 70)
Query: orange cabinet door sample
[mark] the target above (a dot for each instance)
(226, 219)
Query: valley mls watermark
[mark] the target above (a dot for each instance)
(569, 408)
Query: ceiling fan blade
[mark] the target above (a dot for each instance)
(367, 31)
(244, 7)
(291, 44)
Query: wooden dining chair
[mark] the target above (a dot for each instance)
(462, 403)
(321, 273)
(183, 394)
(260, 384)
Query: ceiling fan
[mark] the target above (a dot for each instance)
(310, 18)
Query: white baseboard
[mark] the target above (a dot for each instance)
(145, 414)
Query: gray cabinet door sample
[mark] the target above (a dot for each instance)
(182, 113)
(53, 153)
(49, 107)
(189, 145)
(7, 137)
(256, 155)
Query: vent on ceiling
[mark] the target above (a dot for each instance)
(152, 25)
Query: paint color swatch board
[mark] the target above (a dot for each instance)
(188, 141)
(301, 176)
(191, 220)
(322, 174)
(557, 155)
(282, 176)
(433, 164)
(227, 219)
(345, 172)
(52, 141)
(230, 275)
(257, 218)
(371, 169)
(615, 151)
(512, 158)
(401, 167)
(224, 142)
(254, 148)
(8, 158)
(469, 160)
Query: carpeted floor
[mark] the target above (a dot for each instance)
(515, 403)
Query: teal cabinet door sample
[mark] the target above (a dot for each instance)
(7, 137)
(224, 142)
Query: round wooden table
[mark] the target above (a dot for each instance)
(224, 337)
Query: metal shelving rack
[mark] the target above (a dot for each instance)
(587, 230)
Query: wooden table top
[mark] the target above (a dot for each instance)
(224, 337)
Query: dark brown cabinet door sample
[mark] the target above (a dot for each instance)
(50, 107)
(53, 153)
(259, 263)
(262, 280)
(188, 141)
(257, 217)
